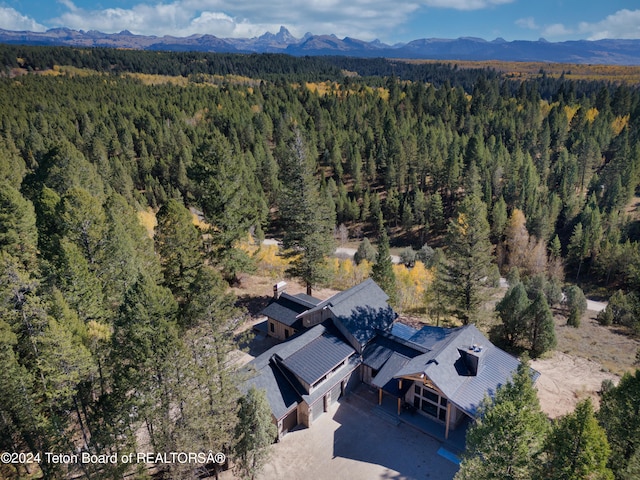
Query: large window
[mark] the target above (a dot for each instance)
(430, 402)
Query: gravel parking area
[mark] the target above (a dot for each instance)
(353, 441)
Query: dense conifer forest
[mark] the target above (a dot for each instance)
(111, 337)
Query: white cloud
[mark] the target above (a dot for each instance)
(464, 4)
(365, 19)
(556, 30)
(11, 19)
(528, 23)
(69, 4)
(622, 24)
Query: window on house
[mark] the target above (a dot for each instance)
(442, 415)
(286, 333)
(429, 408)
(272, 327)
(430, 402)
(429, 395)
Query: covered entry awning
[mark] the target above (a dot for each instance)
(386, 382)
(385, 378)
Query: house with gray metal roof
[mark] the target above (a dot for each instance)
(451, 379)
(305, 375)
(353, 337)
(359, 313)
(283, 312)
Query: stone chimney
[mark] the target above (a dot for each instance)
(278, 289)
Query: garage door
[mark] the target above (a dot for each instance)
(317, 409)
(336, 392)
(290, 421)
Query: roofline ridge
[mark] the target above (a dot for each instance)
(298, 300)
(402, 341)
(300, 335)
(329, 302)
(278, 364)
(350, 291)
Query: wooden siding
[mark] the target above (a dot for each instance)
(279, 329)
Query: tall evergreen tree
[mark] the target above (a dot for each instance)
(542, 335)
(382, 271)
(619, 415)
(512, 311)
(305, 212)
(208, 373)
(506, 440)
(231, 200)
(178, 243)
(18, 233)
(145, 345)
(255, 432)
(469, 254)
(577, 447)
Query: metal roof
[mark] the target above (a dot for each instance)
(264, 372)
(428, 337)
(381, 348)
(385, 379)
(445, 367)
(286, 308)
(362, 310)
(318, 357)
(400, 330)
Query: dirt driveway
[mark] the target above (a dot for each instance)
(352, 442)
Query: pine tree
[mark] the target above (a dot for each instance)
(145, 345)
(506, 440)
(209, 403)
(305, 211)
(576, 304)
(127, 253)
(577, 447)
(255, 432)
(469, 254)
(231, 199)
(22, 422)
(619, 415)
(382, 271)
(577, 248)
(436, 296)
(542, 336)
(18, 233)
(178, 243)
(498, 218)
(83, 222)
(512, 311)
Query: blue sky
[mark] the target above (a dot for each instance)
(388, 20)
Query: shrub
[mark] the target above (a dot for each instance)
(365, 252)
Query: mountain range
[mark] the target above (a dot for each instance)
(608, 51)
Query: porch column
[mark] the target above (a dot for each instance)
(446, 428)
(399, 398)
(379, 396)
